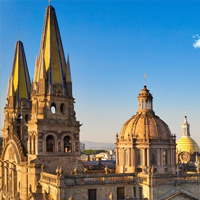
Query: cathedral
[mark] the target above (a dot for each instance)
(40, 158)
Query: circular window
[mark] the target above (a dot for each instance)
(53, 108)
(63, 108)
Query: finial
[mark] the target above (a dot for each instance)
(144, 78)
(185, 113)
(49, 2)
(19, 34)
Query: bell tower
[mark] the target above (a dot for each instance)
(53, 131)
(18, 105)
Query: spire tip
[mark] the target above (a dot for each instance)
(144, 78)
(19, 34)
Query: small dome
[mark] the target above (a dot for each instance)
(146, 125)
(145, 93)
(186, 143)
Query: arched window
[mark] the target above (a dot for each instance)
(53, 108)
(26, 118)
(50, 143)
(165, 157)
(147, 107)
(67, 144)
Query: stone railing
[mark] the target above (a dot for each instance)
(95, 179)
(182, 178)
(50, 179)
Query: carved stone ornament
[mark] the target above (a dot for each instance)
(11, 153)
(111, 197)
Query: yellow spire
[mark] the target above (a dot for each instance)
(52, 54)
(43, 69)
(19, 85)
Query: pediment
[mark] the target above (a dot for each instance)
(181, 196)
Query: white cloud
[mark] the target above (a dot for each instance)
(197, 44)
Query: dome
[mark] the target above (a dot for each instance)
(186, 143)
(145, 125)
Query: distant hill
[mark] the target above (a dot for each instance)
(98, 145)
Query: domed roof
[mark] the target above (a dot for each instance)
(145, 125)
(186, 143)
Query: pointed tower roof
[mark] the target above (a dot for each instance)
(68, 71)
(51, 54)
(19, 85)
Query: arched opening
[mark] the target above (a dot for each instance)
(147, 107)
(63, 108)
(67, 144)
(165, 157)
(50, 143)
(26, 118)
(53, 108)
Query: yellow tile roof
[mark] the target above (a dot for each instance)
(51, 56)
(19, 85)
(186, 143)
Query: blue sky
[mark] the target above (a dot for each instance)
(111, 44)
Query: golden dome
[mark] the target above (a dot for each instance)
(145, 125)
(186, 143)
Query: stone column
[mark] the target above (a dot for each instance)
(169, 157)
(32, 146)
(129, 157)
(158, 157)
(171, 150)
(1, 174)
(44, 146)
(6, 176)
(132, 156)
(117, 160)
(144, 157)
(148, 161)
(161, 157)
(36, 144)
(13, 180)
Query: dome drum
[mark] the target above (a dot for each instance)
(145, 141)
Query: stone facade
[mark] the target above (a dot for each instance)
(41, 142)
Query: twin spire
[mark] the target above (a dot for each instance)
(19, 85)
(50, 66)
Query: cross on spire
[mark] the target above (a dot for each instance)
(144, 78)
(49, 2)
(19, 33)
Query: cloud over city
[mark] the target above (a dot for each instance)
(196, 44)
